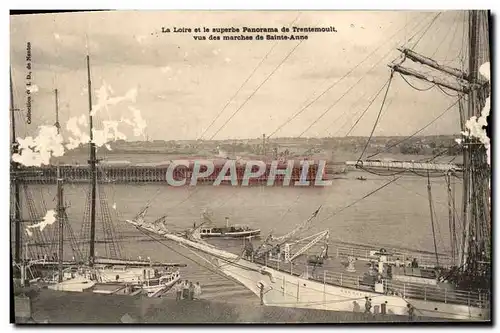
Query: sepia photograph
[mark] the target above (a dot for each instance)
(250, 166)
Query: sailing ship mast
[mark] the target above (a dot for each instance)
(93, 173)
(476, 210)
(60, 204)
(476, 240)
(15, 169)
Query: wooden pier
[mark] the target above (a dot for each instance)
(148, 174)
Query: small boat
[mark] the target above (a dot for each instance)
(360, 178)
(235, 231)
(157, 286)
(227, 231)
(107, 279)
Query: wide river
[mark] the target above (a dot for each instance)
(398, 215)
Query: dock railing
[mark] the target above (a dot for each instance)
(407, 290)
(442, 292)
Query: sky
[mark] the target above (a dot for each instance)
(181, 85)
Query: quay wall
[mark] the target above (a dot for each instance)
(60, 307)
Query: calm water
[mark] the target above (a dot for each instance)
(398, 215)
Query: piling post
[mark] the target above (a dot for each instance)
(324, 290)
(284, 285)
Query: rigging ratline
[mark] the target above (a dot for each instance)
(243, 84)
(475, 248)
(301, 110)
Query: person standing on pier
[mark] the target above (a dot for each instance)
(191, 291)
(368, 305)
(411, 312)
(185, 289)
(197, 291)
(178, 291)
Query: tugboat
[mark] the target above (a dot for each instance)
(227, 231)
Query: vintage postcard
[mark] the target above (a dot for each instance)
(250, 167)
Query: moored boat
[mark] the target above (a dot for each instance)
(278, 281)
(209, 229)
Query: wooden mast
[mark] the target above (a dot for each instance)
(475, 239)
(451, 219)
(60, 204)
(15, 169)
(469, 112)
(431, 209)
(93, 175)
(60, 218)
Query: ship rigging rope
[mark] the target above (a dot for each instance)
(367, 107)
(215, 271)
(360, 199)
(414, 87)
(434, 217)
(378, 116)
(428, 27)
(258, 87)
(446, 35)
(345, 93)
(417, 132)
(429, 88)
(191, 259)
(460, 22)
(244, 83)
(342, 78)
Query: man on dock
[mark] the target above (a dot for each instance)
(197, 291)
(191, 291)
(185, 289)
(178, 290)
(368, 305)
(411, 312)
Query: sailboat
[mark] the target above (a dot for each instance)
(153, 280)
(391, 283)
(80, 274)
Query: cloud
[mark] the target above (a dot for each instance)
(105, 100)
(106, 49)
(49, 219)
(139, 123)
(37, 151)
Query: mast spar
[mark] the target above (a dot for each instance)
(93, 176)
(15, 169)
(60, 203)
(476, 211)
(474, 249)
